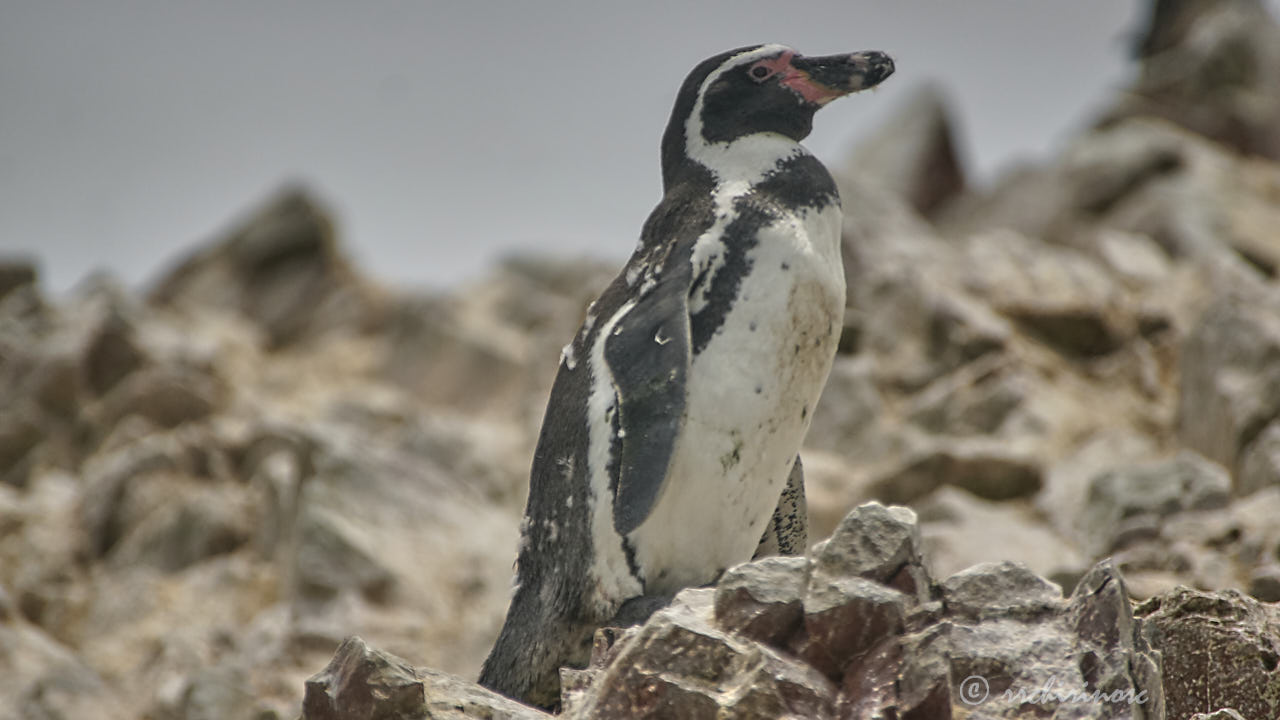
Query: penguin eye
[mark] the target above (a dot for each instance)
(760, 72)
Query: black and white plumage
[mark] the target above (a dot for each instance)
(669, 449)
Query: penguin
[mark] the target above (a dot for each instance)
(669, 450)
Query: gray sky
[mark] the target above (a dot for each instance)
(447, 134)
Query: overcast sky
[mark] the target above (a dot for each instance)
(447, 134)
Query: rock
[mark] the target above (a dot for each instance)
(914, 154)
(998, 590)
(680, 665)
(165, 396)
(845, 617)
(1129, 503)
(1230, 546)
(44, 679)
(876, 543)
(974, 400)
(763, 600)
(1230, 385)
(279, 268)
(960, 529)
(16, 273)
(1211, 67)
(449, 361)
(366, 507)
(1220, 650)
(1264, 584)
(1059, 296)
(112, 353)
(1259, 462)
(987, 469)
(1117, 656)
(1134, 257)
(849, 409)
(189, 527)
(19, 435)
(362, 683)
(1066, 489)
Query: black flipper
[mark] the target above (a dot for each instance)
(648, 355)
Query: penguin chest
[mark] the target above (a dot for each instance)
(750, 394)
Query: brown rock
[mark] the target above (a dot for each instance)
(362, 683)
(763, 600)
(1220, 649)
(876, 543)
(845, 617)
(680, 665)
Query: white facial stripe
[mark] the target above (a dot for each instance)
(748, 158)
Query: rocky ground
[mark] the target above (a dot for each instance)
(206, 487)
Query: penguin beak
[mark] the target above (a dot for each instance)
(820, 80)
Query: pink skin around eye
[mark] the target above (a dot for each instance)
(798, 81)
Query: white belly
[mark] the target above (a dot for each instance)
(751, 394)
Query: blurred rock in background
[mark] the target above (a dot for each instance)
(204, 489)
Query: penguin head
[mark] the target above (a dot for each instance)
(762, 89)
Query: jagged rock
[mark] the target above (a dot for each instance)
(1220, 650)
(877, 543)
(1125, 504)
(679, 664)
(1117, 656)
(845, 617)
(362, 683)
(914, 154)
(763, 600)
